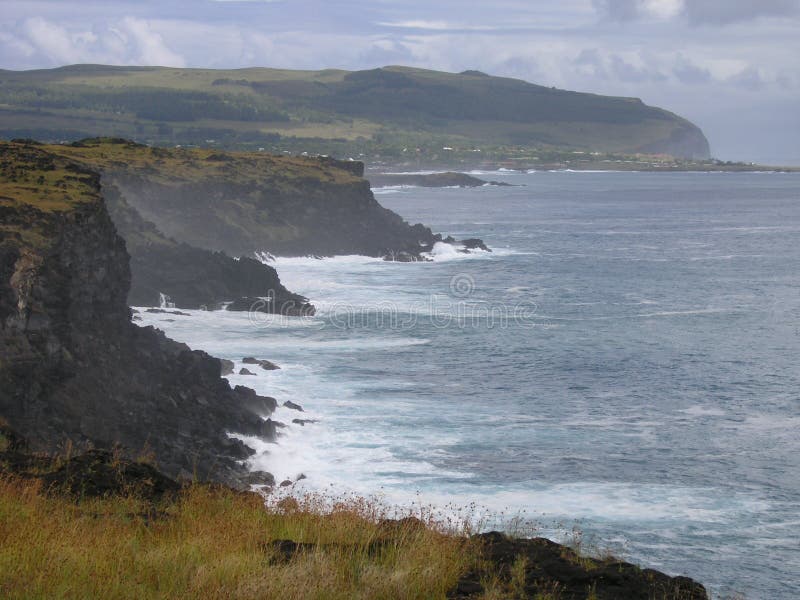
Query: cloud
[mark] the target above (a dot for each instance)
(748, 78)
(41, 42)
(696, 12)
(722, 12)
(688, 72)
(631, 10)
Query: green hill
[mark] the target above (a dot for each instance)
(390, 110)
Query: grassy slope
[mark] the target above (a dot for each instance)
(422, 107)
(211, 543)
(34, 181)
(144, 537)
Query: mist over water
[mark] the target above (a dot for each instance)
(625, 361)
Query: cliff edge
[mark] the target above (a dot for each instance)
(74, 370)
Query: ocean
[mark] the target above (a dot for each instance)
(622, 369)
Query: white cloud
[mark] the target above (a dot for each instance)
(127, 41)
(697, 12)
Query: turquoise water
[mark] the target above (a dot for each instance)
(625, 362)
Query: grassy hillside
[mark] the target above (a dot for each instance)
(98, 525)
(381, 112)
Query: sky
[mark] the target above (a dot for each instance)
(730, 66)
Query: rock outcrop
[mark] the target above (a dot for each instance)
(541, 568)
(242, 203)
(192, 277)
(73, 368)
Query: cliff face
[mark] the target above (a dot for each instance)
(241, 203)
(312, 218)
(192, 277)
(685, 140)
(72, 365)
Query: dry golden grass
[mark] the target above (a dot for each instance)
(216, 543)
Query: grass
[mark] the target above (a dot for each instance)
(100, 525)
(213, 542)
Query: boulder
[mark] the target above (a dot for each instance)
(264, 364)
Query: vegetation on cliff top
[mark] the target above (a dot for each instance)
(198, 165)
(29, 174)
(369, 110)
(98, 525)
(34, 182)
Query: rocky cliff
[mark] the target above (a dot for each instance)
(73, 368)
(240, 203)
(191, 277)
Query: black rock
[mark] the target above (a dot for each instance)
(290, 305)
(475, 243)
(264, 364)
(225, 367)
(548, 566)
(293, 406)
(75, 370)
(260, 478)
(244, 371)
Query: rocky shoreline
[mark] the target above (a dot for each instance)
(80, 381)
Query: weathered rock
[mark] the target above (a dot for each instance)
(550, 566)
(225, 367)
(293, 406)
(264, 364)
(302, 422)
(475, 243)
(100, 473)
(244, 371)
(260, 478)
(191, 277)
(291, 305)
(73, 367)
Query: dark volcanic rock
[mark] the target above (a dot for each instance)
(74, 368)
(260, 478)
(550, 566)
(302, 422)
(324, 209)
(225, 367)
(289, 304)
(100, 473)
(244, 371)
(264, 364)
(475, 243)
(293, 406)
(191, 277)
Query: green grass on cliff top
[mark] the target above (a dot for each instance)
(186, 165)
(31, 175)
